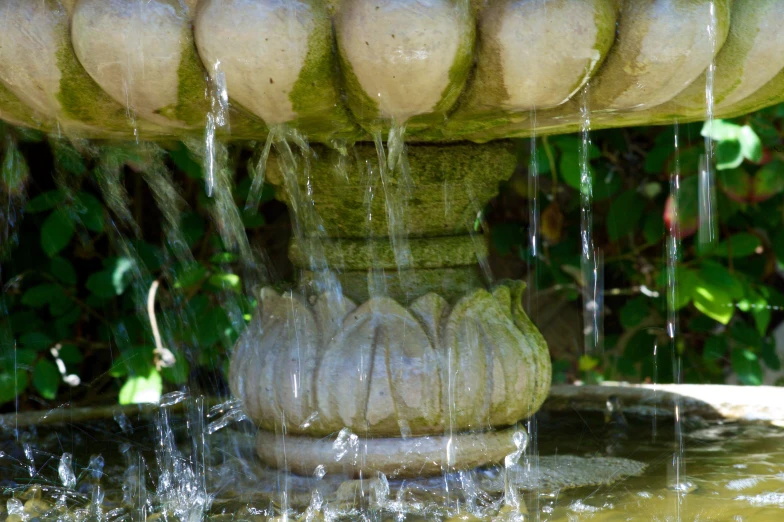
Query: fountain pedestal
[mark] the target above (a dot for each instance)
(393, 356)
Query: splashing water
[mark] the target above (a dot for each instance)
(65, 471)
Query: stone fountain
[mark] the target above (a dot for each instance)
(395, 356)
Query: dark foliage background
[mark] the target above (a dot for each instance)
(83, 236)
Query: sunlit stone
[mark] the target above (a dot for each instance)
(134, 51)
(403, 56)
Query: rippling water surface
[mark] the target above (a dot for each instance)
(188, 462)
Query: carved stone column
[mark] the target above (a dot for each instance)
(373, 366)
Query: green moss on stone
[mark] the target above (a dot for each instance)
(366, 110)
(467, 173)
(14, 111)
(192, 104)
(315, 96)
(363, 107)
(80, 97)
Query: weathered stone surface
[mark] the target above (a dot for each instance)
(142, 55)
(403, 62)
(662, 46)
(278, 61)
(448, 186)
(54, 84)
(404, 58)
(384, 370)
(394, 457)
(533, 56)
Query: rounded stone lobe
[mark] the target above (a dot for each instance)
(538, 54)
(662, 46)
(403, 54)
(133, 50)
(33, 29)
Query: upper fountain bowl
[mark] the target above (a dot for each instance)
(345, 69)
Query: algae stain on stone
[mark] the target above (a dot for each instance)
(80, 96)
(315, 96)
(13, 110)
(192, 104)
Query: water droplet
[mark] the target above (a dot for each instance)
(344, 442)
(65, 471)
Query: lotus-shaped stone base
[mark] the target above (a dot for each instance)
(383, 374)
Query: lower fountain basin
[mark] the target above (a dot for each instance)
(580, 464)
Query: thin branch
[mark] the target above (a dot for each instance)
(164, 358)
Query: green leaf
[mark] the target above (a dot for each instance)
(736, 183)
(70, 354)
(56, 232)
(35, 341)
(715, 348)
(686, 280)
(778, 245)
(634, 311)
(226, 281)
(653, 227)
(41, 295)
(90, 211)
(747, 366)
(750, 144)
(738, 245)
(570, 169)
(193, 227)
(63, 270)
(716, 272)
(253, 220)
(183, 160)
(45, 201)
(606, 185)
(224, 258)
(729, 155)
(720, 130)
(624, 214)
(746, 336)
(190, 276)
(757, 305)
(768, 181)
(12, 384)
(657, 158)
(712, 300)
(769, 355)
(46, 379)
(142, 389)
(100, 284)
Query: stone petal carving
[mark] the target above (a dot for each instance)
(384, 370)
(380, 371)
